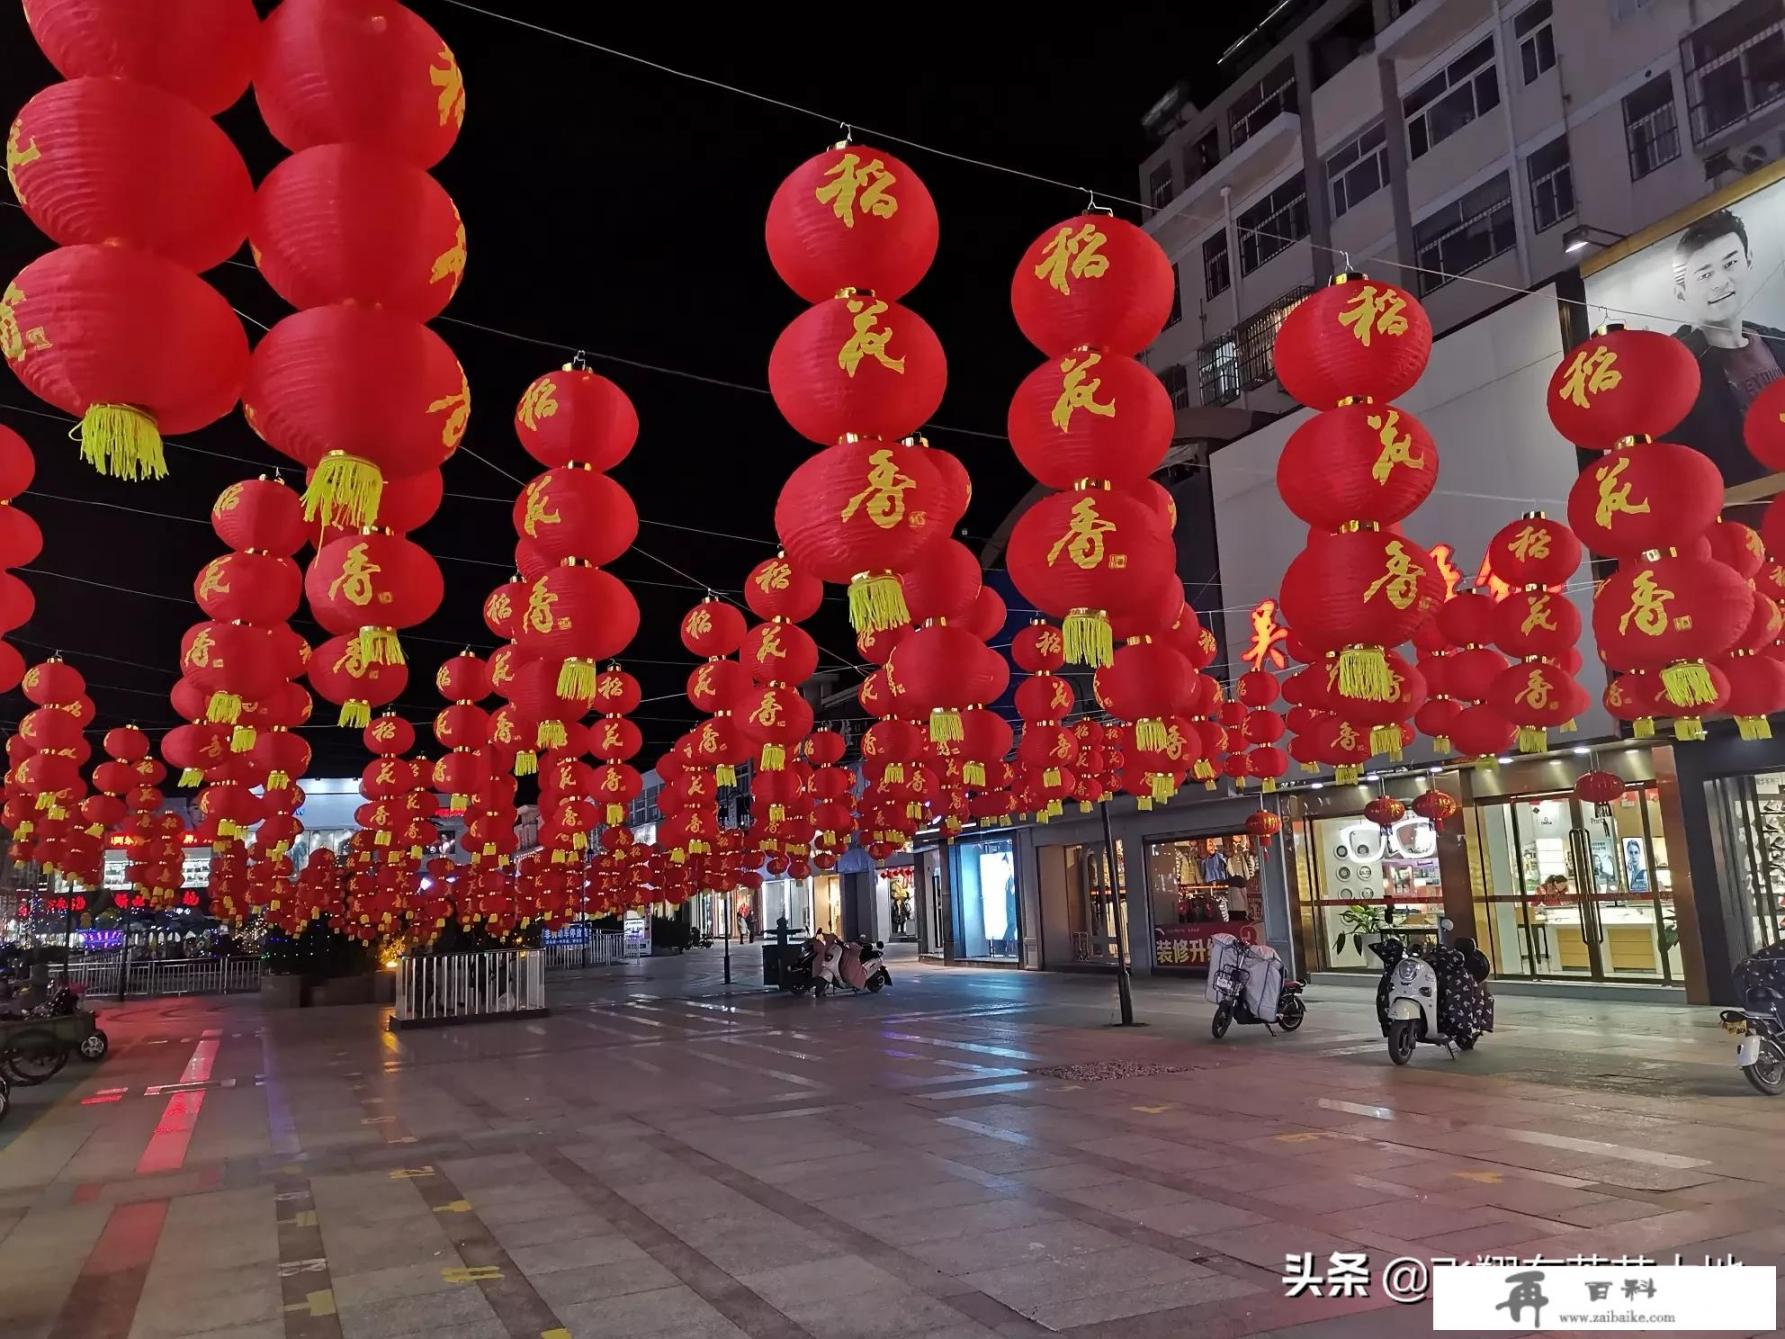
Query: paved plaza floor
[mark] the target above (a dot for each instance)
(661, 1157)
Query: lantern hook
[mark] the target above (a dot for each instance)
(1091, 205)
(579, 361)
(848, 132)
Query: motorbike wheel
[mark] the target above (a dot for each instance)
(1221, 1021)
(34, 1057)
(5, 1097)
(1767, 1073)
(1401, 1040)
(1290, 1016)
(876, 982)
(94, 1045)
(819, 988)
(1465, 1043)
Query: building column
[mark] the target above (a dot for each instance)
(1394, 126)
(1320, 226)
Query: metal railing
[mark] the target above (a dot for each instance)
(464, 986)
(603, 948)
(142, 978)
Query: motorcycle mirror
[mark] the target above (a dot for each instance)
(1446, 924)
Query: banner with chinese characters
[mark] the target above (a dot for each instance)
(1187, 946)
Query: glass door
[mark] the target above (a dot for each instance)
(1751, 816)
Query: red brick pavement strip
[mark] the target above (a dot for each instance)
(102, 1303)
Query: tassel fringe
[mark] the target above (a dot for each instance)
(223, 708)
(1086, 637)
(379, 646)
(945, 725)
(1386, 739)
(1643, 727)
(973, 774)
(1363, 674)
(344, 492)
(1532, 739)
(774, 758)
(1688, 727)
(526, 763)
(122, 441)
(1754, 727)
(877, 603)
(355, 715)
(576, 680)
(241, 739)
(1688, 684)
(725, 775)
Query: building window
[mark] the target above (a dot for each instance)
(1159, 185)
(1359, 169)
(1216, 271)
(1273, 224)
(1261, 104)
(1201, 157)
(1256, 338)
(1177, 381)
(1466, 234)
(988, 920)
(1552, 184)
(1536, 38)
(1651, 128)
(1466, 88)
(1177, 299)
(1218, 371)
(1734, 66)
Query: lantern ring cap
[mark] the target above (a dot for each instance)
(1608, 328)
(1097, 485)
(1348, 277)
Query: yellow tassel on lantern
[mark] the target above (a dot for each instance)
(1386, 739)
(1161, 787)
(1085, 806)
(1050, 776)
(1754, 727)
(223, 708)
(1203, 769)
(877, 602)
(576, 679)
(616, 814)
(1310, 767)
(678, 857)
(1144, 803)
(1209, 784)
(945, 725)
(1643, 727)
(1569, 726)
(1042, 815)
(1688, 727)
(241, 739)
(1441, 743)
(278, 780)
(557, 857)
(526, 763)
(725, 775)
(355, 715)
(1239, 783)
(122, 441)
(895, 771)
(381, 837)
(1268, 785)
(379, 646)
(191, 776)
(777, 812)
(1532, 739)
(1150, 735)
(914, 809)
(1363, 673)
(774, 758)
(551, 735)
(1486, 763)
(1688, 684)
(344, 491)
(973, 774)
(1086, 638)
(457, 801)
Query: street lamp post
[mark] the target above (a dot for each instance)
(728, 918)
(1124, 987)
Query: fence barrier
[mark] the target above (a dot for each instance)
(465, 987)
(141, 978)
(602, 948)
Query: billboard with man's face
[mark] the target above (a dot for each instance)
(1717, 284)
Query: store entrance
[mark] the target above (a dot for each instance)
(1573, 893)
(1752, 817)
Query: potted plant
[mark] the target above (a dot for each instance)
(1361, 923)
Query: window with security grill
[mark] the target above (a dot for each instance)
(1466, 88)
(1734, 66)
(1273, 224)
(1216, 271)
(1218, 371)
(1552, 184)
(1535, 33)
(1358, 169)
(1159, 186)
(1177, 381)
(1177, 299)
(1261, 104)
(1465, 234)
(1651, 126)
(1202, 156)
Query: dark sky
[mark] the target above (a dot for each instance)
(619, 209)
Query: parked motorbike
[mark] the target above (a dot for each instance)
(797, 976)
(36, 1042)
(855, 964)
(1246, 977)
(1759, 1025)
(1431, 996)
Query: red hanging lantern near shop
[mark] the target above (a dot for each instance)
(1599, 789)
(1437, 806)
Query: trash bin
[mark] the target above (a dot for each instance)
(773, 955)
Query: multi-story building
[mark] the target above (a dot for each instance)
(1422, 140)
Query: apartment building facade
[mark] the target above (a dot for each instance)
(1425, 140)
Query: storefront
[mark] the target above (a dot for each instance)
(986, 920)
(1199, 887)
(1358, 881)
(895, 898)
(791, 898)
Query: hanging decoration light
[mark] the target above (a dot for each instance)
(1538, 625)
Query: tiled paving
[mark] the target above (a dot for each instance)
(662, 1159)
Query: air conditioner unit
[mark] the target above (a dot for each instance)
(1735, 161)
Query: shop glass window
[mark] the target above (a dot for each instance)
(1217, 273)
(1750, 816)
(1465, 234)
(1536, 38)
(1198, 887)
(1552, 184)
(1358, 169)
(1651, 127)
(1466, 88)
(1091, 902)
(1734, 66)
(1367, 886)
(1274, 224)
(986, 911)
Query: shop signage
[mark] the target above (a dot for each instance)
(1188, 945)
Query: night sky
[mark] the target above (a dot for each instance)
(617, 209)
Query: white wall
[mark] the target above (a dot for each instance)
(1482, 398)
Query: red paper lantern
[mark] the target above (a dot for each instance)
(712, 628)
(1091, 415)
(346, 223)
(1358, 462)
(1437, 806)
(578, 615)
(1356, 337)
(943, 583)
(1649, 495)
(1358, 592)
(1756, 690)
(576, 416)
(776, 588)
(1092, 281)
(1622, 384)
(1537, 622)
(340, 673)
(775, 717)
(21, 538)
(114, 162)
(248, 587)
(1670, 614)
(1480, 732)
(359, 71)
(851, 217)
(778, 653)
(201, 50)
(579, 514)
(83, 344)
(1599, 789)
(1534, 551)
(1535, 696)
(857, 363)
(373, 584)
(260, 514)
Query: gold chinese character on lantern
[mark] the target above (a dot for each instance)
(867, 341)
(1374, 311)
(1346, 736)
(703, 682)
(15, 341)
(450, 263)
(387, 770)
(1060, 696)
(1537, 694)
(1267, 633)
(229, 499)
(768, 713)
(852, 182)
(1399, 581)
(1082, 540)
(17, 156)
(1592, 371)
(1648, 605)
(885, 494)
(214, 580)
(354, 582)
(351, 662)
(457, 409)
(498, 608)
(540, 616)
(776, 574)
(699, 621)
(1078, 393)
(1532, 541)
(1614, 497)
(1537, 615)
(536, 513)
(451, 83)
(768, 645)
(1073, 253)
(199, 653)
(1397, 448)
(1049, 643)
(384, 729)
(539, 401)
(610, 735)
